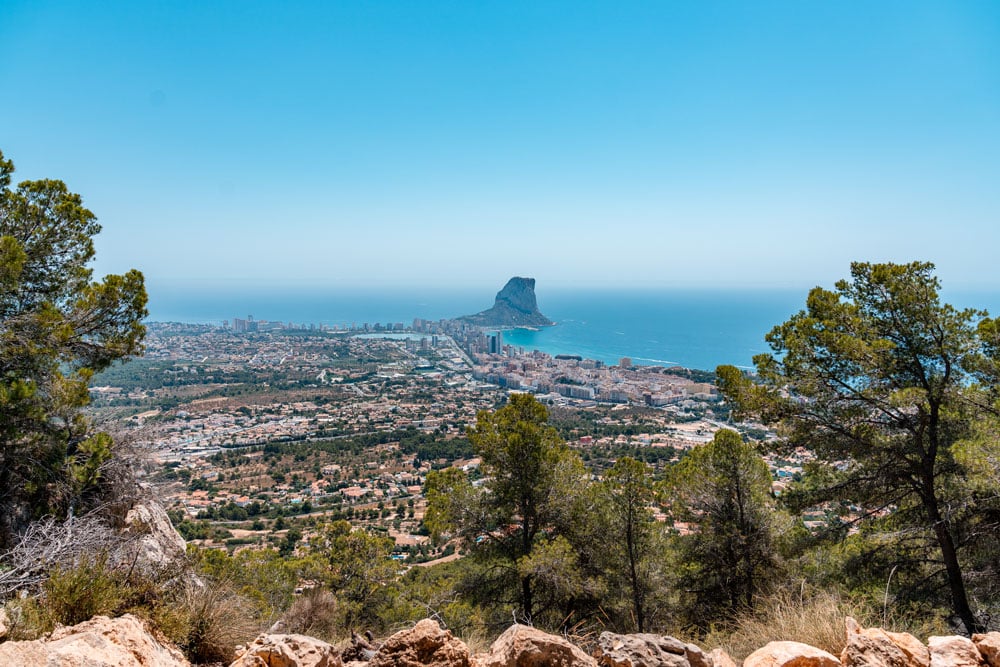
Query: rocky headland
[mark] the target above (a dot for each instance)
(515, 306)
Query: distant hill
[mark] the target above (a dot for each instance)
(515, 306)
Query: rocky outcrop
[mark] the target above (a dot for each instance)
(790, 654)
(989, 647)
(99, 642)
(524, 646)
(423, 645)
(875, 647)
(953, 652)
(515, 306)
(287, 651)
(157, 543)
(647, 650)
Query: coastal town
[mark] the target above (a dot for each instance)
(254, 426)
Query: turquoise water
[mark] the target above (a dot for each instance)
(692, 328)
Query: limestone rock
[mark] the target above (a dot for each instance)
(953, 652)
(989, 647)
(874, 647)
(158, 543)
(720, 658)
(425, 644)
(523, 646)
(790, 654)
(647, 650)
(515, 305)
(287, 651)
(99, 642)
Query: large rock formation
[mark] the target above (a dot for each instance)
(99, 642)
(157, 542)
(515, 306)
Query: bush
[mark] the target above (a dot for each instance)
(77, 594)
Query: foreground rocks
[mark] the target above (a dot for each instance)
(124, 642)
(875, 647)
(790, 654)
(989, 647)
(524, 646)
(270, 650)
(99, 642)
(648, 650)
(423, 644)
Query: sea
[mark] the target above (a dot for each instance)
(697, 329)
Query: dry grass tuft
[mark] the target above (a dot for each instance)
(816, 619)
(315, 613)
(208, 620)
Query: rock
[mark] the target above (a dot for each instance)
(99, 642)
(874, 647)
(790, 654)
(523, 646)
(989, 647)
(158, 543)
(287, 651)
(720, 658)
(4, 623)
(953, 652)
(360, 650)
(647, 650)
(515, 305)
(423, 644)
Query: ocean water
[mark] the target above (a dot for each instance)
(692, 328)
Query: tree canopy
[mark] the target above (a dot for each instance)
(723, 490)
(884, 383)
(57, 328)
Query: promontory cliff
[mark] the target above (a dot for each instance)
(515, 306)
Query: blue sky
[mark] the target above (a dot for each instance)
(661, 144)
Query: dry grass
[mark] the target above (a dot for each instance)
(208, 620)
(816, 618)
(315, 613)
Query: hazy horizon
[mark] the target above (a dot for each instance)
(621, 145)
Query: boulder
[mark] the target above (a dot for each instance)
(647, 650)
(874, 647)
(287, 651)
(790, 654)
(720, 658)
(99, 642)
(4, 623)
(953, 652)
(989, 647)
(425, 644)
(523, 646)
(157, 542)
